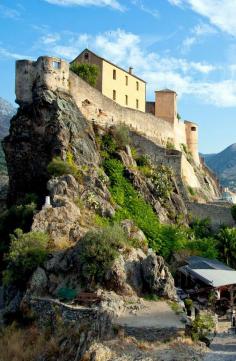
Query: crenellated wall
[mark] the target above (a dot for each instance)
(52, 73)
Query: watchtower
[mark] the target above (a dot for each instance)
(166, 105)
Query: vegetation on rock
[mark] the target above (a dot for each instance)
(88, 72)
(27, 252)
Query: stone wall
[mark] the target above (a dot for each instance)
(219, 214)
(100, 109)
(47, 310)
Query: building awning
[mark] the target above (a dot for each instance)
(212, 277)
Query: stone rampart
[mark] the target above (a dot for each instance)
(102, 110)
(219, 214)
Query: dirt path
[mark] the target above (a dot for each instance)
(223, 348)
(153, 314)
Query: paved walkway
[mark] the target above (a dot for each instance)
(223, 348)
(153, 314)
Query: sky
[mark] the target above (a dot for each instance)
(185, 45)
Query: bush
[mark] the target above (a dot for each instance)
(98, 250)
(88, 72)
(27, 252)
(233, 211)
(201, 227)
(58, 167)
(202, 326)
(121, 135)
(143, 161)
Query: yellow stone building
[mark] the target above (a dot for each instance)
(120, 85)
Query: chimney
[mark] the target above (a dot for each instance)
(130, 70)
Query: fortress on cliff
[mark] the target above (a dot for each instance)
(120, 97)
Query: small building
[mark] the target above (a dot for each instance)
(116, 83)
(201, 278)
(228, 196)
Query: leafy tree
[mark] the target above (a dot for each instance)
(227, 245)
(27, 252)
(88, 72)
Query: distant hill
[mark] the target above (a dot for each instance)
(6, 113)
(224, 165)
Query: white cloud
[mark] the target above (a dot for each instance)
(191, 78)
(139, 3)
(196, 34)
(50, 38)
(8, 54)
(102, 3)
(10, 13)
(221, 13)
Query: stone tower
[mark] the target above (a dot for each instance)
(191, 130)
(166, 105)
(46, 73)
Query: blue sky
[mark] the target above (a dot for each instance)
(185, 45)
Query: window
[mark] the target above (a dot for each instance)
(193, 129)
(137, 104)
(137, 85)
(126, 80)
(56, 64)
(114, 74)
(114, 95)
(86, 56)
(126, 100)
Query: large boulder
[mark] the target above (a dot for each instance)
(157, 277)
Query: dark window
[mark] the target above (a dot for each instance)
(56, 64)
(126, 80)
(114, 74)
(137, 85)
(114, 95)
(86, 56)
(137, 104)
(126, 100)
(193, 129)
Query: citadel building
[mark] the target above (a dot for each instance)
(160, 122)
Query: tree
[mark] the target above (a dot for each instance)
(88, 72)
(227, 245)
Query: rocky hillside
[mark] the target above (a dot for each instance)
(6, 113)
(224, 165)
(115, 217)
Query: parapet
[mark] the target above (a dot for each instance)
(49, 73)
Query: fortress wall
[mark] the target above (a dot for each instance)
(25, 74)
(180, 134)
(188, 174)
(217, 213)
(98, 108)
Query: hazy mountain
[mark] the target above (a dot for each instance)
(6, 112)
(224, 165)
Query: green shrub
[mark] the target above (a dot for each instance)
(143, 161)
(98, 249)
(121, 135)
(58, 167)
(88, 72)
(27, 252)
(132, 205)
(170, 145)
(162, 180)
(202, 326)
(201, 227)
(192, 191)
(233, 211)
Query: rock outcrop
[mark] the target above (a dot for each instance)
(51, 126)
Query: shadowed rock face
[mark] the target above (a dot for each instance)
(52, 125)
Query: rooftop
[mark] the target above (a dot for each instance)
(212, 272)
(98, 56)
